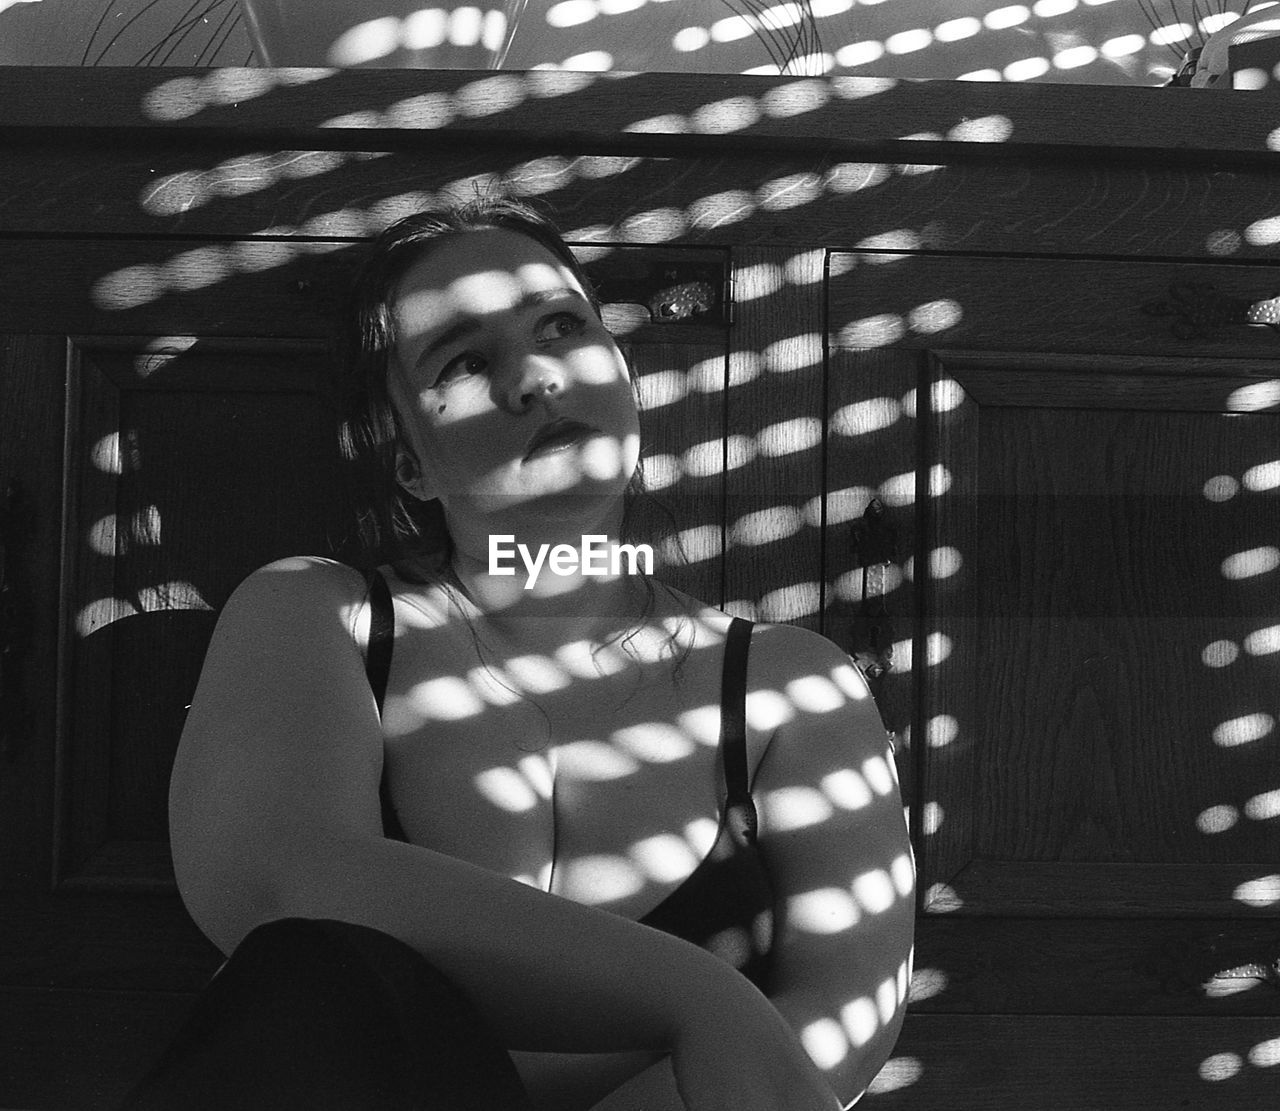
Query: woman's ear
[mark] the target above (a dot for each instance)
(409, 474)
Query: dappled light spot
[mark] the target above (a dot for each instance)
(789, 192)
(717, 209)
(903, 873)
(721, 117)
(926, 983)
(945, 562)
(1026, 69)
(942, 898)
(1254, 397)
(790, 808)
(825, 1043)
(878, 775)
(941, 730)
(1223, 241)
(112, 456)
(701, 834)
(898, 1072)
(795, 99)
(571, 13)
(732, 945)
(654, 742)
(1263, 806)
(874, 891)
(873, 331)
(662, 471)
(601, 878)
(704, 459)
(1243, 730)
(536, 674)
(109, 536)
(702, 724)
(1073, 57)
(1010, 16)
(793, 353)
(946, 394)
(899, 489)
(697, 543)
(1221, 488)
(767, 526)
(595, 761)
(903, 654)
(536, 770)
(659, 125)
(767, 709)
(585, 661)
(788, 437)
(1217, 819)
(887, 1000)
(1265, 1055)
(1263, 233)
(850, 177)
(755, 281)
(1255, 561)
(1221, 653)
(955, 30)
(1265, 476)
(102, 612)
(860, 1021)
(1262, 892)
(866, 416)
(846, 789)
(814, 694)
(655, 226)
(825, 911)
(447, 698)
(664, 858)
(128, 288)
(185, 97)
(850, 681)
(507, 789)
(1221, 1066)
(937, 648)
(860, 53)
(1262, 642)
(791, 602)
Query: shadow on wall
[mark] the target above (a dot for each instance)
(1102, 42)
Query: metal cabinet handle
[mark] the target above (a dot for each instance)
(1201, 311)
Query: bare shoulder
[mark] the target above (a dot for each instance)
(826, 714)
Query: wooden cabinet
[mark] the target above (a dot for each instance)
(1012, 318)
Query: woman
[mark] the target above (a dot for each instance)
(655, 853)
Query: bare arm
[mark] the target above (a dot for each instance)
(835, 839)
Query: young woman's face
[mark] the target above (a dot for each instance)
(495, 338)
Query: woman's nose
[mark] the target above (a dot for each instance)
(537, 377)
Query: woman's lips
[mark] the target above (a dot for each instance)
(557, 436)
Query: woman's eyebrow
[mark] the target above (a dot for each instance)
(467, 325)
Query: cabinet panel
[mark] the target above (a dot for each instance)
(1100, 641)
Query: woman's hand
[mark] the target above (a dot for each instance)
(735, 1052)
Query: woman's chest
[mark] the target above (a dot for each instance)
(603, 789)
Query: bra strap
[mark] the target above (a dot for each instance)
(733, 721)
(377, 666)
(382, 629)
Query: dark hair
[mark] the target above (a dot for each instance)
(391, 524)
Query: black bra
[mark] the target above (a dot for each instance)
(726, 905)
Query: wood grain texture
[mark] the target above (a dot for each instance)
(1095, 966)
(32, 411)
(1050, 305)
(774, 434)
(730, 198)
(944, 119)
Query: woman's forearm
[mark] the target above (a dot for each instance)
(549, 974)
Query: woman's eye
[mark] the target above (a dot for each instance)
(467, 363)
(560, 326)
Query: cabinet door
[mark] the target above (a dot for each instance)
(166, 430)
(1095, 646)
